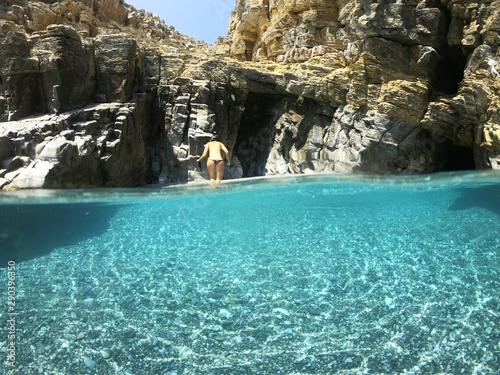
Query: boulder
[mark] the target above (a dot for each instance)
(99, 145)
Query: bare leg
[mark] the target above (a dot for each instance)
(211, 171)
(220, 172)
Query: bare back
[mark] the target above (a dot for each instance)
(214, 150)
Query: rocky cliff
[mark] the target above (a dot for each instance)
(96, 93)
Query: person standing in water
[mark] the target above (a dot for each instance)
(215, 163)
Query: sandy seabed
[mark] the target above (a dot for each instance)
(312, 281)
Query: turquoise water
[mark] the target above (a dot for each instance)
(297, 275)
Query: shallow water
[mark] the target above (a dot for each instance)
(296, 275)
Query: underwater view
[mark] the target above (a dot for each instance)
(293, 275)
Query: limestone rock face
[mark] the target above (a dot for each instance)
(117, 60)
(46, 73)
(283, 30)
(98, 145)
(293, 31)
(271, 131)
(86, 15)
(192, 111)
(296, 86)
(59, 55)
(433, 64)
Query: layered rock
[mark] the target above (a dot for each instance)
(431, 63)
(60, 55)
(297, 86)
(98, 145)
(271, 130)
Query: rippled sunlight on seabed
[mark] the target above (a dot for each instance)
(296, 275)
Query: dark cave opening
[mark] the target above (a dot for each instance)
(459, 158)
(450, 71)
(257, 132)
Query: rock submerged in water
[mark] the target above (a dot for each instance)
(281, 311)
(89, 362)
(389, 302)
(105, 354)
(223, 313)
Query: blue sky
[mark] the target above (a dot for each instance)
(200, 19)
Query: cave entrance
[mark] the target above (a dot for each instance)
(257, 131)
(459, 158)
(450, 71)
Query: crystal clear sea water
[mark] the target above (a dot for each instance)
(294, 275)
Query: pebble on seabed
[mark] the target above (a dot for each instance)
(106, 354)
(89, 362)
(224, 314)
